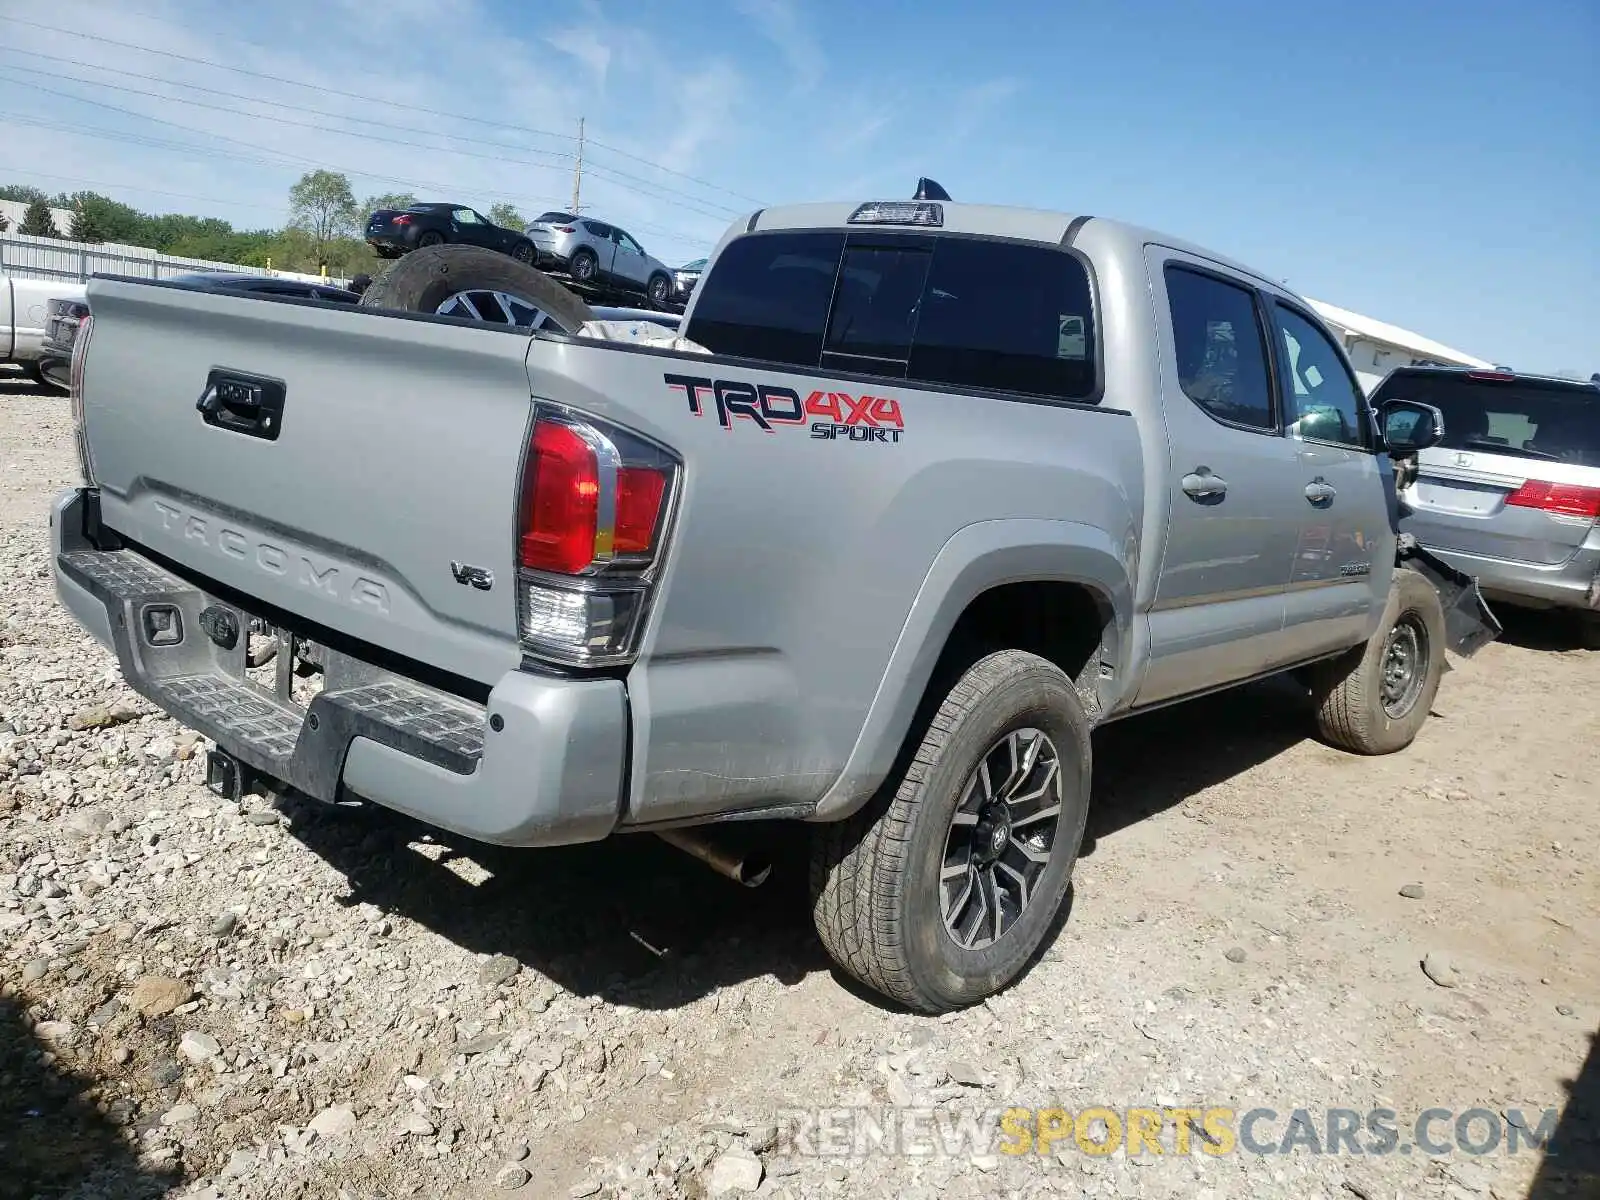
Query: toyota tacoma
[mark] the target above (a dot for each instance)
(925, 493)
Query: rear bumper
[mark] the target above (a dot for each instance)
(390, 241)
(1572, 584)
(541, 764)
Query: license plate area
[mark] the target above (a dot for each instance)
(280, 664)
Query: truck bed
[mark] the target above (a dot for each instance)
(788, 602)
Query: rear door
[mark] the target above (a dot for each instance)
(1512, 449)
(601, 238)
(631, 264)
(1233, 480)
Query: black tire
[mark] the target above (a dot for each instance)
(430, 237)
(876, 886)
(425, 279)
(1354, 711)
(523, 252)
(584, 266)
(1589, 630)
(659, 286)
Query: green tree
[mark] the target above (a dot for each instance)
(323, 205)
(507, 217)
(21, 193)
(38, 221)
(398, 201)
(5, 222)
(115, 221)
(84, 226)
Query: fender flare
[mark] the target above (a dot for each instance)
(979, 557)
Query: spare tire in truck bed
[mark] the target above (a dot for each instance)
(477, 284)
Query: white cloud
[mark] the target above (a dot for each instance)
(780, 24)
(585, 45)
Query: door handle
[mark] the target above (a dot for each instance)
(1320, 492)
(1201, 484)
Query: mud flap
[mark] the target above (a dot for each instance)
(1469, 624)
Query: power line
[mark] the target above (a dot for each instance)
(318, 87)
(694, 203)
(131, 187)
(214, 152)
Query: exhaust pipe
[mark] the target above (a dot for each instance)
(748, 872)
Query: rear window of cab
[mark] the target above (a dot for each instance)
(963, 312)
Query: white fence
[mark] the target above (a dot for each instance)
(23, 257)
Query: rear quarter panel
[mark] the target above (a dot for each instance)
(797, 560)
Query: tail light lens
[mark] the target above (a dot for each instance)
(1560, 499)
(402, 219)
(595, 507)
(563, 229)
(80, 349)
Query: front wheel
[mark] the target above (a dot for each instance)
(523, 252)
(942, 890)
(659, 286)
(1373, 699)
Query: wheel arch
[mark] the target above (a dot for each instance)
(1057, 588)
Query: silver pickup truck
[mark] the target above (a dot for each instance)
(935, 490)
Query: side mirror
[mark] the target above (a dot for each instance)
(1409, 426)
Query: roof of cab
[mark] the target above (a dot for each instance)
(993, 220)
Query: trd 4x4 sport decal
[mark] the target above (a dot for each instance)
(768, 406)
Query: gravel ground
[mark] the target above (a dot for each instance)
(204, 999)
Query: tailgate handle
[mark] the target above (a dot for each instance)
(242, 403)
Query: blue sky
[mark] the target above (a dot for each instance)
(1432, 165)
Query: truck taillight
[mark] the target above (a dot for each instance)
(1562, 499)
(594, 511)
(80, 349)
(402, 219)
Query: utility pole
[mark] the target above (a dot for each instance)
(577, 170)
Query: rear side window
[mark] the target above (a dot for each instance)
(1548, 422)
(768, 297)
(959, 312)
(1222, 358)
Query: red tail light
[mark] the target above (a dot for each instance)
(594, 511)
(640, 491)
(402, 219)
(1496, 376)
(563, 228)
(560, 501)
(1562, 499)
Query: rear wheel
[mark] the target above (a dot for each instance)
(1589, 630)
(585, 266)
(1373, 699)
(431, 237)
(659, 286)
(942, 890)
(480, 284)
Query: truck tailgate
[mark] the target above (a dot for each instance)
(393, 464)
